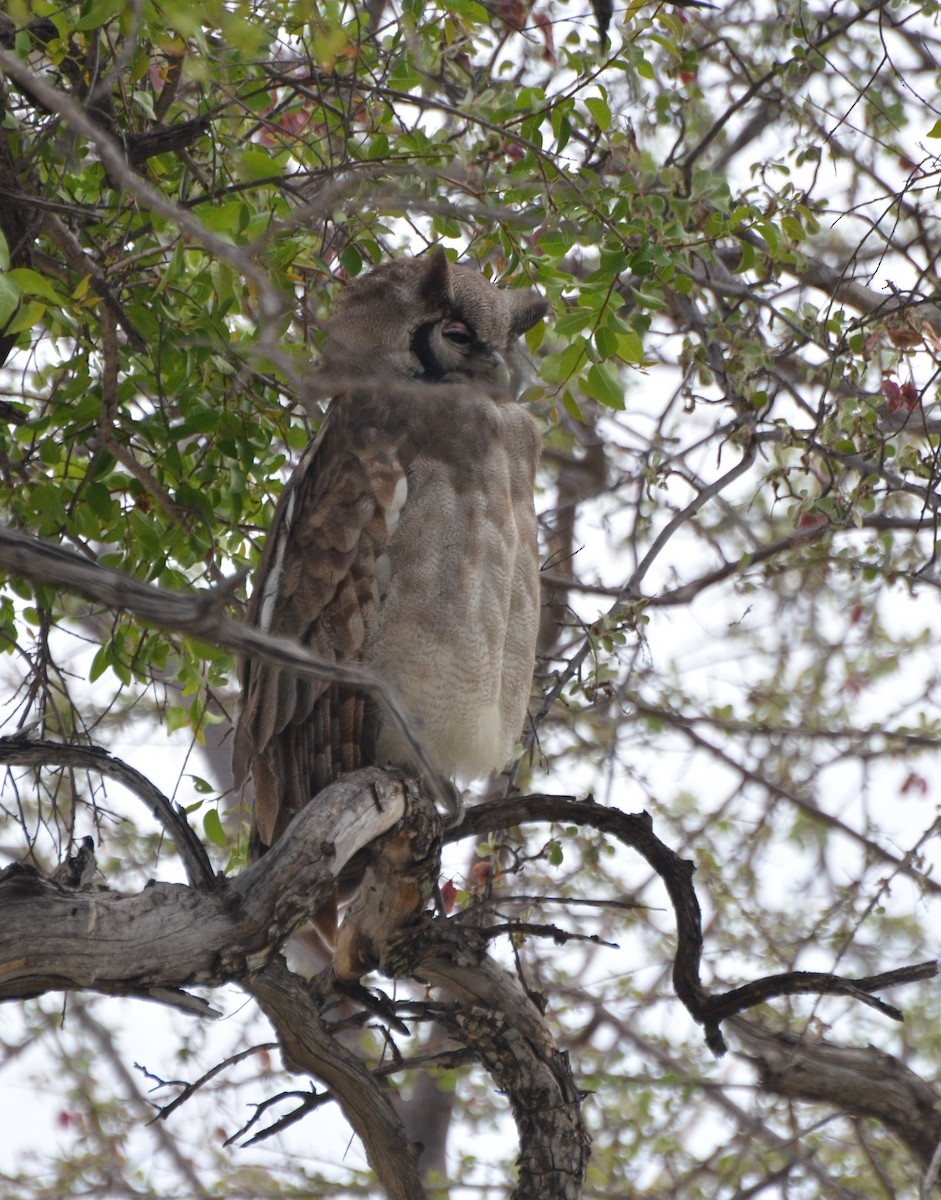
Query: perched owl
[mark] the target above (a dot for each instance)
(404, 542)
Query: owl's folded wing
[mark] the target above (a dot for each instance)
(319, 582)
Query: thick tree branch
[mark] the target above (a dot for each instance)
(864, 1081)
(172, 936)
(168, 936)
(496, 1019)
(308, 1048)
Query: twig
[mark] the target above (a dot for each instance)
(164, 1110)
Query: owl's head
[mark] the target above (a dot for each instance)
(427, 319)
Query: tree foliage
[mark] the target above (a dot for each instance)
(731, 211)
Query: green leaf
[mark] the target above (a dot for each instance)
(100, 663)
(9, 298)
(770, 233)
(226, 218)
(793, 228)
(98, 13)
(604, 387)
(573, 322)
(598, 107)
(570, 404)
(529, 98)
(556, 242)
(28, 317)
(31, 283)
(177, 717)
(747, 261)
(212, 827)
(255, 163)
(630, 346)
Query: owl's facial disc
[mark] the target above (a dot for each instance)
(450, 351)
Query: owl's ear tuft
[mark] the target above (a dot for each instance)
(527, 309)
(435, 288)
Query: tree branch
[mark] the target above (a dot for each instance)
(25, 753)
(499, 1022)
(170, 935)
(308, 1048)
(863, 1081)
(636, 831)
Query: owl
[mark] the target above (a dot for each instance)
(404, 542)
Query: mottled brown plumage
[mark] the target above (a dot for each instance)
(405, 541)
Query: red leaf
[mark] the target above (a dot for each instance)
(914, 782)
(448, 893)
(544, 25)
(892, 393)
(513, 12)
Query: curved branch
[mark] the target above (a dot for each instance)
(636, 831)
(26, 753)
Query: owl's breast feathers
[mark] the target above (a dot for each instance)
(406, 542)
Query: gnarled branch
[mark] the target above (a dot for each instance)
(636, 831)
(170, 935)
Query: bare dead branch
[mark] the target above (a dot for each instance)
(309, 1102)
(190, 1089)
